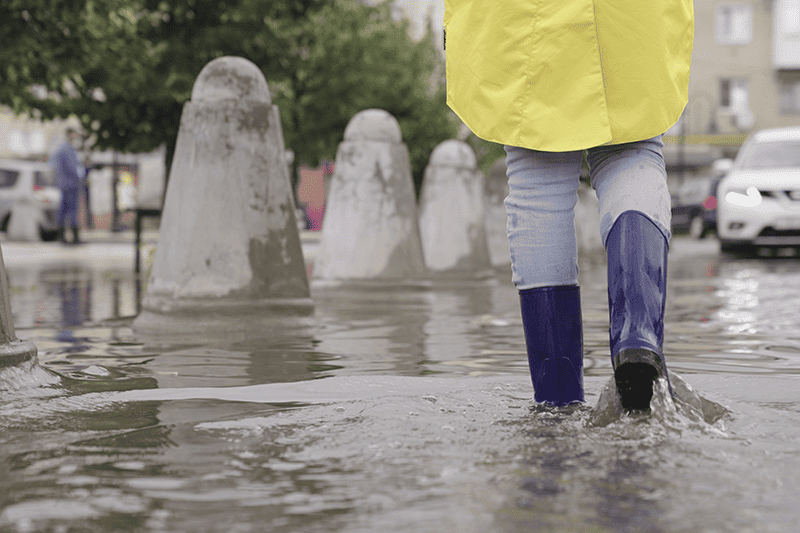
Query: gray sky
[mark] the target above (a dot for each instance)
(418, 11)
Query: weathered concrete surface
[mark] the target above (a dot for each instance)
(24, 222)
(228, 237)
(496, 190)
(451, 212)
(370, 228)
(12, 350)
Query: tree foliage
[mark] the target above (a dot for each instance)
(357, 58)
(126, 67)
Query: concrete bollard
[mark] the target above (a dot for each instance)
(451, 218)
(496, 226)
(12, 350)
(587, 218)
(228, 241)
(24, 222)
(370, 227)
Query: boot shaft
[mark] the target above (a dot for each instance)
(551, 319)
(637, 279)
(637, 283)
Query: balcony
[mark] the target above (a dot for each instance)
(786, 35)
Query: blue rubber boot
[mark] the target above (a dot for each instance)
(637, 283)
(551, 318)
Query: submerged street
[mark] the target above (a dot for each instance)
(401, 409)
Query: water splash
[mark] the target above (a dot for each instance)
(684, 409)
(26, 375)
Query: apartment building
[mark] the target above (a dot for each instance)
(745, 70)
(30, 138)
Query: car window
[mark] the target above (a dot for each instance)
(43, 179)
(773, 154)
(694, 191)
(8, 178)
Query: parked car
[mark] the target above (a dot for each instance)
(34, 181)
(694, 207)
(759, 200)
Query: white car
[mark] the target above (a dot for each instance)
(33, 181)
(759, 200)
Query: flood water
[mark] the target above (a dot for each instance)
(395, 409)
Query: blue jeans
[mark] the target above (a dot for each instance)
(543, 191)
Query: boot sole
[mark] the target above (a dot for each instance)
(635, 385)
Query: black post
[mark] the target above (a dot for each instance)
(115, 206)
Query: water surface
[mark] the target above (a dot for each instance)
(396, 409)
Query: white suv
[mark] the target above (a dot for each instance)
(34, 181)
(759, 199)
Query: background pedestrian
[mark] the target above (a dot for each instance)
(70, 174)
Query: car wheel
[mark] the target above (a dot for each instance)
(4, 222)
(48, 234)
(697, 227)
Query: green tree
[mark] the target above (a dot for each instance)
(357, 58)
(126, 67)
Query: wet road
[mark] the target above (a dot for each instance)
(404, 409)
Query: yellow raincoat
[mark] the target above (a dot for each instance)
(561, 75)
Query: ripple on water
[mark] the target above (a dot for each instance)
(362, 451)
(389, 453)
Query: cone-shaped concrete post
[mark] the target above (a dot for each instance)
(228, 241)
(12, 350)
(452, 209)
(370, 228)
(496, 232)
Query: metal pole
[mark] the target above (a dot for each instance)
(681, 149)
(114, 199)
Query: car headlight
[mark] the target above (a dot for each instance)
(743, 197)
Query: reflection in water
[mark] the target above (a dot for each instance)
(403, 455)
(733, 315)
(490, 341)
(758, 315)
(630, 492)
(417, 330)
(575, 486)
(69, 295)
(75, 296)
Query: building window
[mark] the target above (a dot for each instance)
(790, 16)
(786, 36)
(734, 24)
(734, 100)
(789, 91)
(724, 93)
(733, 93)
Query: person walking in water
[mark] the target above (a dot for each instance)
(555, 81)
(69, 174)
